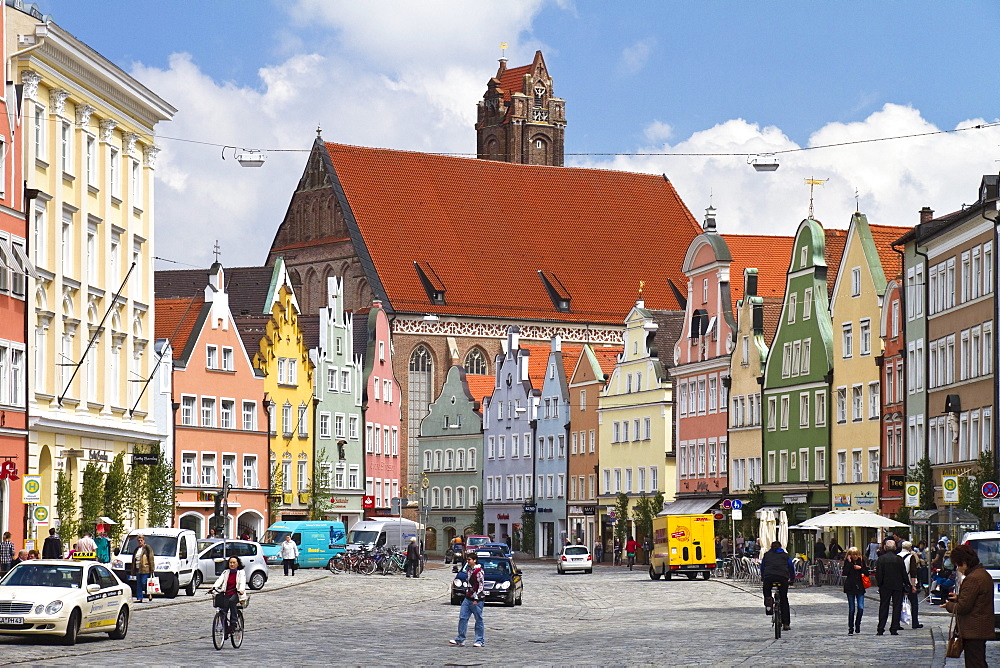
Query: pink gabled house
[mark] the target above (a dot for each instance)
(380, 404)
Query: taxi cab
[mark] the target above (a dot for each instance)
(63, 598)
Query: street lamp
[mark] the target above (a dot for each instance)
(247, 157)
(764, 162)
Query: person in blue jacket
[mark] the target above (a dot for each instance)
(776, 569)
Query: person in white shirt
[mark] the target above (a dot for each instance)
(86, 544)
(289, 552)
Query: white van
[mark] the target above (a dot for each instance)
(987, 547)
(176, 558)
(382, 532)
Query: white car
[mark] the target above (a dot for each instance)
(63, 598)
(575, 558)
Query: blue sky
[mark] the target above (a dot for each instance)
(651, 76)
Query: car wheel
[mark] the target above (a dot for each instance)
(706, 575)
(509, 601)
(194, 584)
(121, 626)
(653, 575)
(519, 600)
(589, 570)
(72, 628)
(691, 576)
(667, 575)
(559, 570)
(170, 591)
(257, 581)
(456, 600)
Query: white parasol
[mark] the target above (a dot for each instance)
(783, 529)
(850, 518)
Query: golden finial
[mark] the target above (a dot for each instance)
(641, 285)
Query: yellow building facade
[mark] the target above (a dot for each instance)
(635, 411)
(89, 154)
(856, 310)
(283, 356)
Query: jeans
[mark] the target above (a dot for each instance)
(855, 599)
(786, 615)
(140, 586)
(471, 608)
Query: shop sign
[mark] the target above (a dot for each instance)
(897, 483)
(865, 500)
(503, 516)
(31, 489)
(590, 510)
(339, 501)
(101, 455)
(841, 500)
(8, 471)
(144, 458)
(544, 510)
(449, 519)
(793, 498)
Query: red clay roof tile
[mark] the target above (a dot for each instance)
(884, 236)
(175, 320)
(769, 255)
(481, 385)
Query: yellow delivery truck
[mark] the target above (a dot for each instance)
(683, 544)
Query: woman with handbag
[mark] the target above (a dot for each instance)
(856, 580)
(972, 607)
(229, 589)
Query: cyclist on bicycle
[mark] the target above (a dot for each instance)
(630, 548)
(229, 589)
(618, 552)
(776, 569)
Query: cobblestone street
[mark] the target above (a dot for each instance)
(612, 617)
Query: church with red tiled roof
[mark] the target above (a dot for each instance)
(459, 249)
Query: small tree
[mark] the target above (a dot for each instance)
(970, 486)
(137, 493)
(527, 532)
(643, 515)
(92, 497)
(160, 493)
(922, 473)
(66, 508)
(477, 524)
(621, 512)
(320, 487)
(115, 488)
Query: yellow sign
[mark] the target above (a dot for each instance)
(950, 485)
(913, 494)
(31, 489)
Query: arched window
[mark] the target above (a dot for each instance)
(460, 460)
(435, 497)
(418, 395)
(449, 460)
(437, 460)
(427, 460)
(447, 498)
(472, 459)
(473, 496)
(460, 497)
(430, 539)
(475, 362)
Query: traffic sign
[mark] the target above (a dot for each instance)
(368, 502)
(913, 494)
(991, 490)
(41, 515)
(727, 504)
(950, 485)
(737, 514)
(991, 503)
(737, 504)
(719, 515)
(31, 489)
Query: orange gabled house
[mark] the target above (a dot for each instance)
(219, 431)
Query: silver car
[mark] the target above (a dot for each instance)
(575, 558)
(213, 555)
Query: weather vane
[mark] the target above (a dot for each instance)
(812, 183)
(503, 49)
(857, 205)
(216, 250)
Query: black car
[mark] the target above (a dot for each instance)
(503, 581)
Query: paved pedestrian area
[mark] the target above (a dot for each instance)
(612, 617)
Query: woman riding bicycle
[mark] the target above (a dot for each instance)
(630, 548)
(229, 589)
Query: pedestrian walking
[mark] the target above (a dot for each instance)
(835, 551)
(6, 553)
(289, 553)
(819, 550)
(972, 605)
(911, 562)
(472, 604)
(103, 549)
(630, 547)
(86, 544)
(412, 558)
(872, 553)
(776, 568)
(52, 548)
(143, 564)
(647, 548)
(890, 574)
(599, 551)
(854, 587)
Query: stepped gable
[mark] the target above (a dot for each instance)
(433, 223)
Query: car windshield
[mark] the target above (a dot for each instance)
(163, 546)
(275, 536)
(205, 544)
(477, 540)
(988, 550)
(576, 549)
(362, 536)
(494, 566)
(44, 575)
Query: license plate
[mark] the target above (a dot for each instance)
(11, 620)
(131, 577)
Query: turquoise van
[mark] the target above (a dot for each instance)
(318, 542)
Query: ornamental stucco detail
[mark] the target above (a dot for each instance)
(149, 154)
(83, 114)
(499, 331)
(30, 80)
(128, 142)
(107, 129)
(57, 101)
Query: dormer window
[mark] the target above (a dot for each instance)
(557, 291)
(432, 283)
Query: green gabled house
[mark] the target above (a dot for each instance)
(797, 377)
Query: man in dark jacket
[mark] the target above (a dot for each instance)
(973, 605)
(413, 558)
(890, 575)
(52, 547)
(776, 569)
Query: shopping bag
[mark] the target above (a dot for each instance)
(955, 643)
(153, 586)
(905, 617)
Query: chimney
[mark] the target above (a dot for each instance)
(926, 214)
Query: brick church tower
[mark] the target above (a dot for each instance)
(519, 119)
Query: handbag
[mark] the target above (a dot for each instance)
(955, 642)
(866, 581)
(153, 586)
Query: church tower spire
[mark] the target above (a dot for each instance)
(519, 118)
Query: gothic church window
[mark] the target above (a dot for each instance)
(475, 362)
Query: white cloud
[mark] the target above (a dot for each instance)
(635, 56)
(658, 131)
(894, 179)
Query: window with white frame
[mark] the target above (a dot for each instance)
(841, 404)
(303, 421)
(865, 329)
(352, 424)
(820, 459)
(207, 412)
(847, 339)
(249, 471)
(803, 465)
(228, 363)
(324, 425)
(857, 403)
(249, 416)
(338, 426)
(772, 409)
(784, 411)
(187, 410)
(302, 477)
(842, 467)
(286, 420)
(856, 281)
(874, 401)
(208, 469)
(212, 357)
(804, 410)
(345, 380)
(229, 469)
(227, 417)
(856, 470)
(188, 460)
(114, 173)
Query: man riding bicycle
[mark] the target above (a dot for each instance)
(229, 589)
(776, 569)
